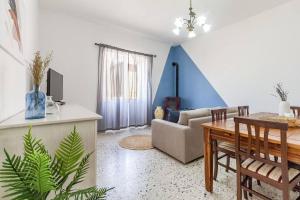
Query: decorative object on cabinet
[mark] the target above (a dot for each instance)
(36, 99)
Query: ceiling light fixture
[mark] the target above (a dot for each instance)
(191, 23)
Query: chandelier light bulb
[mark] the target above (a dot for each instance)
(179, 22)
(206, 28)
(201, 20)
(192, 34)
(191, 23)
(176, 31)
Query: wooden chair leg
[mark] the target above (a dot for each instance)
(250, 186)
(215, 144)
(258, 182)
(227, 163)
(245, 194)
(244, 191)
(286, 194)
(238, 187)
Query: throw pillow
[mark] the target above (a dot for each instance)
(173, 115)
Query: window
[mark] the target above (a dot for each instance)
(124, 91)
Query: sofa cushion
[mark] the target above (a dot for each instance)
(232, 110)
(185, 116)
(173, 115)
(215, 108)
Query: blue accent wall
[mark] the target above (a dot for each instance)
(194, 89)
(166, 86)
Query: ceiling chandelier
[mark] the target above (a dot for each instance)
(191, 23)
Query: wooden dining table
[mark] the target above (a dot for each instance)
(224, 130)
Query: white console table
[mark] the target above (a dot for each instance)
(51, 130)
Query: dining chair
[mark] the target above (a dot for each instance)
(254, 161)
(296, 111)
(218, 114)
(227, 149)
(243, 110)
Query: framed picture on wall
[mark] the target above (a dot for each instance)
(11, 21)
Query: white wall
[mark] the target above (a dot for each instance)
(75, 55)
(14, 78)
(243, 61)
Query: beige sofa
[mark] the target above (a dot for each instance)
(184, 140)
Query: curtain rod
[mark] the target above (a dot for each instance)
(129, 51)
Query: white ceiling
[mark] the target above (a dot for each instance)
(155, 17)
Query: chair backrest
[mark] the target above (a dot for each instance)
(243, 110)
(296, 111)
(218, 114)
(256, 146)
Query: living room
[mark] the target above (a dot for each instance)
(149, 100)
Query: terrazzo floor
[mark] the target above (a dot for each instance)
(153, 175)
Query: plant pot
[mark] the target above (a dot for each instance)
(35, 104)
(283, 108)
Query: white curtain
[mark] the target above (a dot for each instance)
(124, 89)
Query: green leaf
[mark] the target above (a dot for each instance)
(69, 152)
(13, 177)
(56, 166)
(80, 172)
(32, 145)
(42, 180)
(89, 194)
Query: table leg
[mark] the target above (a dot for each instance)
(208, 161)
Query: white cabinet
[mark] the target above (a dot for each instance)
(52, 130)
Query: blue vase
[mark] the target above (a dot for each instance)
(35, 104)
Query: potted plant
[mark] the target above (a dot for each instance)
(37, 175)
(284, 106)
(36, 99)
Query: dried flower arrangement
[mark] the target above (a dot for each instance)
(280, 92)
(39, 67)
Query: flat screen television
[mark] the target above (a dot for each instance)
(55, 85)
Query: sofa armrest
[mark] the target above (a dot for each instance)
(171, 138)
(195, 139)
(196, 122)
